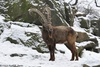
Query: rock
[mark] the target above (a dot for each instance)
(97, 50)
(78, 14)
(96, 66)
(82, 36)
(56, 19)
(85, 65)
(41, 48)
(19, 55)
(98, 26)
(84, 23)
(95, 24)
(90, 46)
(36, 42)
(18, 11)
(80, 49)
(95, 31)
(34, 38)
(3, 26)
(12, 40)
(94, 40)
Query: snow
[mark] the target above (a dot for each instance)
(91, 58)
(76, 26)
(31, 58)
(84, 43)
(35, 59)
(1, 19)
(85, 3)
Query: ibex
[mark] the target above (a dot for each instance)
(56, 34)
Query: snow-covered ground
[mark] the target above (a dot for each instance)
(31, 58)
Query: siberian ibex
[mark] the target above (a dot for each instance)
(56, 34)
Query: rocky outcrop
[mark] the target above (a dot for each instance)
(84, 23)
(18, 11)
(96, 27)
(21, 36)
(82, 36)
(91, 44)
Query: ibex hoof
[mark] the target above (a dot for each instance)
(72, 60)
(51, 59)
(76, 60)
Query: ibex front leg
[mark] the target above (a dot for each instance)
(52, 50)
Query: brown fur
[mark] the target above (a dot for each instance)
(57, 34)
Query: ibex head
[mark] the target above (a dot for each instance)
(47, 25)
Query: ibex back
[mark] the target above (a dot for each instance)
(56, 34)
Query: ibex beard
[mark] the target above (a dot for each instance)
(56, 34)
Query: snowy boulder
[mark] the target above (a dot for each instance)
(12, 40)
(24, 34)
(84, 23)
(3, 26)
(80, 51)
(94, 40)
(17, 55)
(18, 11)
(82, 36)
(90, 46)
(96, 66)
(85, 65)
(97, 50)
(79, 14)
(36, 42)
(87, 45)
(95, 24)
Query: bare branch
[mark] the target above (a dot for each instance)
(96, 4)
(75, 2)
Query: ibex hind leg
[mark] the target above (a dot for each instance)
(72, 48)
(74, 52)
(77, 56)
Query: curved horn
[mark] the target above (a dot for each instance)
(38, 12)
(47, 9)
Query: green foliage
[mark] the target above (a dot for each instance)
(18, 11)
